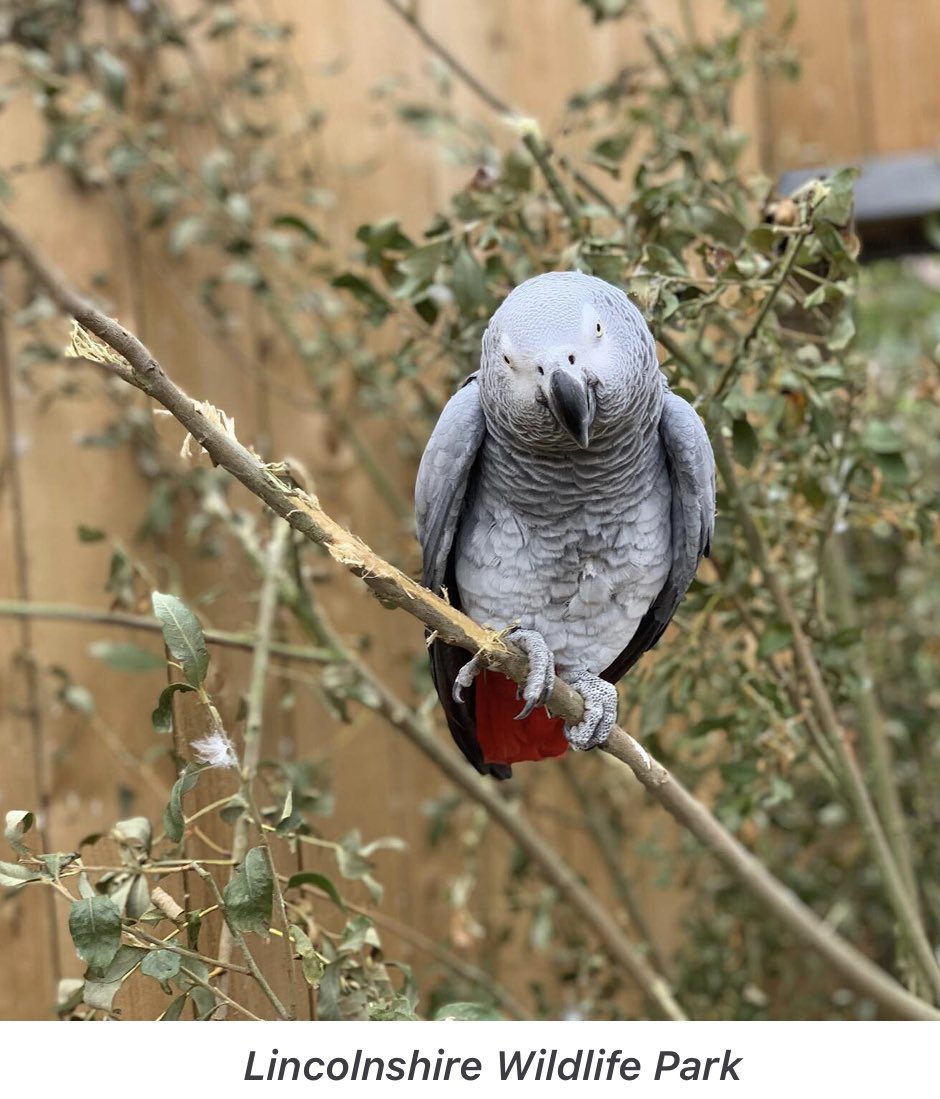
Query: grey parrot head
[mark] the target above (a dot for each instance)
(567, 359)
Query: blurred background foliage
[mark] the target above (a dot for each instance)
(819, 377)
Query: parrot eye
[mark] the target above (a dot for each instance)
(506, 360)
(599, 330)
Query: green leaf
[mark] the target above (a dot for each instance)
(842, 332)
(56, 862)
(249, 896)
(95, 927)
(468, 283)
(173, 819)
(89, 534)
(113, 73)
(162, 716)
(183, 636)
(774, 638)
(311, 963)
(135, 832)
(321, 881)
(837, 204)
(175, 1010)
(18, 823)
(161, 964)
(292, 221)
(12, 875)
(101, 986)
(125, 656)
(467, 1010)
(744, 442)
(377, 308)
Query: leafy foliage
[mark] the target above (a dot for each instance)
(822, 388)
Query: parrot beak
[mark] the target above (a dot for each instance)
(572, 405)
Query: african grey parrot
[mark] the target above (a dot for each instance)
(566, 490)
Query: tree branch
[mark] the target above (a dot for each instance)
(304, 513)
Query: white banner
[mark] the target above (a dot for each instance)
(764, 1060)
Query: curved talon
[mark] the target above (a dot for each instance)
(465, 678)
(526, 709)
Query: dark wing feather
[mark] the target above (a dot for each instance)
(691, 465)
(445, 477)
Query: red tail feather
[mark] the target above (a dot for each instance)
(502, 738)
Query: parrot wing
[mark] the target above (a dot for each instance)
(691, 465)
(445, 476)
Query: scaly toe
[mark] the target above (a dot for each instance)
(600, 712)
(541, 677)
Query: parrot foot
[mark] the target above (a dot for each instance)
(465, 677)
(541, 677)
(600, 712)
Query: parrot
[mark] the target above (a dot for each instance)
(566, 496)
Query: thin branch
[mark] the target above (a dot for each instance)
(727, 376)
(528, 128)
(217, 992)
(608, 846)
(393, 587)
(31, 711)
(878, 752)
(239, 938)
(62, 612)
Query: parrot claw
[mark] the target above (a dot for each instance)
(541, 677)
(600, 712)
(465, 677)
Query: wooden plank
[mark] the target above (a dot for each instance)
(903, 45)
(820, 118)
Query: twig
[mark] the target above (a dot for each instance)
(31, 712)
(727, 376)
(242, 945)
(600, 828)
(267, 608)
(166, 944)
(219, 994)
(61, 612)
(878, 751)
(305, 514)
(530, 133)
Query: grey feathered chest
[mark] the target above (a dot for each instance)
(574, 545)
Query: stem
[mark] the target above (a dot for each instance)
(242, 945)
(31, 712)
(394, 587)
(607, 845)
(267, 609)
(531, 136)
(794, 244)
(878, 751)
(62, 612)
(219, 995)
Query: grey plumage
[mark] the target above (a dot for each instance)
(564, 488)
